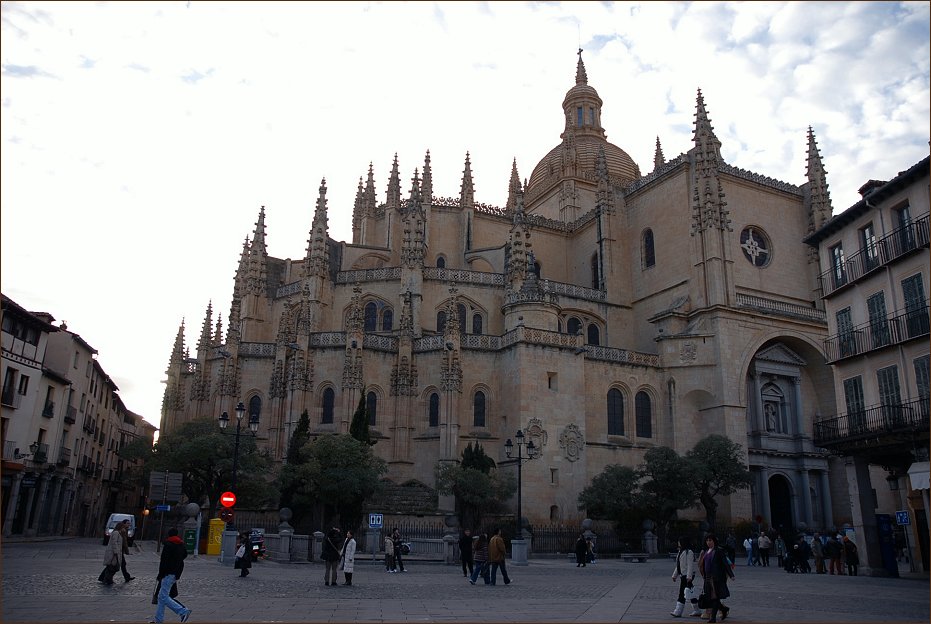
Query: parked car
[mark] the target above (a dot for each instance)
(114, 520)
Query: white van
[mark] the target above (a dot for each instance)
(114, 520)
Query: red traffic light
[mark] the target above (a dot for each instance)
(227, 499)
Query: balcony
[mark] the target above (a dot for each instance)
(10, 398)
(71, 413)
(64, 456)
(884, 430)
(9, 450)
(49, 410)
(41, 455)
(897, 243)
(880, 333)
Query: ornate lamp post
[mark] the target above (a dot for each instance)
(253, 427)
(519, 460)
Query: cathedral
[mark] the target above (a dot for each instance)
(601, 311)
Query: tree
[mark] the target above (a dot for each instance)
(299, 438)
(612, 495)
(359, 428)
(477, 485)
(337, 471)
(719, 469)
(204, 456)
(668, 486)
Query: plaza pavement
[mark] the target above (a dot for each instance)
(56, 581)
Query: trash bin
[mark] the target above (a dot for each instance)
(190, 540)
(215, 536)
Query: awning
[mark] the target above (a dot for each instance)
(918, 475)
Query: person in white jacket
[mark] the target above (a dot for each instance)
(348, 557)
(684, 572)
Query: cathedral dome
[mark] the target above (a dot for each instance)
(621, 167)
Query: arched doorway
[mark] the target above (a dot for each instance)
(780, 504)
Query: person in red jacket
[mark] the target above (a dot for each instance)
(170, 568)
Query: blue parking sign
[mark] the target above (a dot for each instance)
(901, 517)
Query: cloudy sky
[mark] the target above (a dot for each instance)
(140, 139)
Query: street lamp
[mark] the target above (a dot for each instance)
(253, 427)
(520, 459)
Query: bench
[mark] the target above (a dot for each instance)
(637, 557)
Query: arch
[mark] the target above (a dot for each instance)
(800, 343)
(440, 262)
(370, 261)
(441, 321)
(327, 406)
(594, 335)
(387, 319)
(615, 412)
(371, 407)
(477, 323)
(481, 265)
(781, 507)
(643, 410)
(254, 406)
(573, 326)
(647, 249)
(479, 409)
(433, 410)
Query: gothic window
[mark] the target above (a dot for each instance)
(255, 406)
(433, 416)
(387, 319)
(596, 282)
(461, 309)
(649, 253)
(476, 323)
(478, 409)
(329, 401)
(756, 246)
(615, 412)
(371, 407)
(440, 321)
(371, 316)
(573, 326)
(644, 412)
(441, 262)
(594, 336)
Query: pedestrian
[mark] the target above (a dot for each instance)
(748, 546)
(765, 545)
(581, 551)
(780, 547)
(348, 557)
(755, 547)
(332, 544)
(716, 573)
(480, 554)
(590, 550)
(832, 551)
(850, 554)
(389, 554)
(124, 532)
(112, 557)
(170, 567)
(697, 610)
(465, 552)
(243, 560)
(803, 554)
(730, 546)
(398, 547)
(817, 551)
(684, 573)
(497, 553)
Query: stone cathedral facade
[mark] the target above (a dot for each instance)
(602, 311)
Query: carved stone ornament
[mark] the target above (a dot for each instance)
(536, 433)
(572, 442)
(689, 352)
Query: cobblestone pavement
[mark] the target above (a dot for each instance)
(56, 581)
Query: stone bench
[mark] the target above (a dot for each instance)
(635, 557)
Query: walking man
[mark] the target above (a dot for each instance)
(170, 567)
(398, 545)
(332, 544)
(465, 552)
(497, 552)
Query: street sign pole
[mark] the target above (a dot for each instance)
(902, 518)
(161, 524)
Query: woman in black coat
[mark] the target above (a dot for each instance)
(717, 570)
(581, 551)
(244, 562)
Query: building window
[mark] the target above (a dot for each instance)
(644, 412)
(371, 407)
(615, 412)
(441, 262)
(921, 383)
(578, 112)
(594, 336)
(371, 316)
(904, 240)
(838, 268)
(756, 246)
(853, 396)
(596, 279)
(478, 409)
(477, 323)
(441, 321)
(255, 406)
(916, 306)
(329, 401)
(649, 254)
(433, 416)
(868, 249)
(461, 310)
(845, 335)
(23, 385)
(890, 398)
(574, 326)
(879, 324)
(591, 115)
(387, 319)
(9, 383)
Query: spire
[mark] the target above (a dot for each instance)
(581, 78)
(708, 208)
(394, 186)
(218, 332)
(467, 190)
(518, 250)
(358, 212)
(427, 187)
(604, 200)
(369, 202)
(205, 336)
(317, 261)
(412, 243)
(258, 238)
(820, 209)
(177, 350)
(258, 259)
(704, 136)
(514, 188)
(658, 159)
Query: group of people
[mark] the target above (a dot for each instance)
(394, 552)
(831, 554)
(584, 550)
(483, 556)
(715, 568)
(114, 558)
(339, 553)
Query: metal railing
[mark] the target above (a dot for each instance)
(49, 410)
(879, 333)
(9, 450)
(11, 398)
(71, 413)
(881, 419)
(64, 456)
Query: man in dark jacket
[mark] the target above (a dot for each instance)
(465, 552)
(170, 568)
(332, 543)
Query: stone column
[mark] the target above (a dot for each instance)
(827, 508)
(757, 422)
(805, 496)
(10, 510)
(764, 496)
(49, 521)
(799, 417)
(30, 500)
(863, 510)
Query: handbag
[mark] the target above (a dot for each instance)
(690, 594)
(241, 552)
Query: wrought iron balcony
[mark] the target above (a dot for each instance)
(49, 410)
(11, 398)
(9, 450)
(41, 455)
(64, 456)
(878, 334)
(875, 428)
(71, 413)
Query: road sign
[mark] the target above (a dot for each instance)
(227, 499)
(901, 517)
(165, 486)
(163, 508)
(375, 521)
(226, 515)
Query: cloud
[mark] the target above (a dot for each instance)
(194, 76)
(25, 71)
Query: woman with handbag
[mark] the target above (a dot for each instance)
(112, 557)
(717, 570)
(684, 573)
(243, 556)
